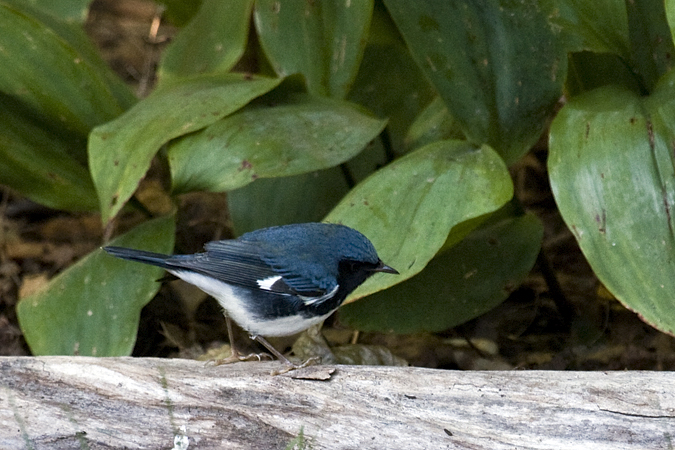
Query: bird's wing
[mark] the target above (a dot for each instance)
(231, 262)
(308, 283)
(265, 261)
(240, 263)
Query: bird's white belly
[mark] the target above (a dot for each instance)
(285, 326)
(233, 301)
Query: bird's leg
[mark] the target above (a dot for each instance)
(235, 352)
(289, 365)
(235, 355)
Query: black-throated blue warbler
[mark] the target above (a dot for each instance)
(275, 281)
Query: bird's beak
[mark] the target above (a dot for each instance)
(382, 267)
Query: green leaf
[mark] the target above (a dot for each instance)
(324, 41)
(69, 10)
(55, 72)
(120, 151)
(408, 208)
(434, 123)
(498, 65)
(600, 26)
(213, 41)
(300, 198)
(588, 71)
(611, 169)
(389, 82)
(93, 307)
(179, 12)
(652, 46)
(279, 201)
(302, 135)
(670, 17)
(371, 159)
(460, 284)
(39, 165)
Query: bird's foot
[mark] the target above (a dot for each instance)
(287, 363)
(256, 356)
(238, 357)
(291, 366)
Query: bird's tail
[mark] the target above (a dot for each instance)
(155, 259)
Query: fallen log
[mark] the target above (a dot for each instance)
(147, 403)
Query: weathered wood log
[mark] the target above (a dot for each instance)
(75, 402)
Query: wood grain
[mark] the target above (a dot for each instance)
(95, 403)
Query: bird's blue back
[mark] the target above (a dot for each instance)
(307, 255)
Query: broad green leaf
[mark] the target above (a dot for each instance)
(651, 41)
(371, 159)
(670, 17)
(120, 151)
(324, 41)
(408, 208)
(458, 285)
(300, 198)
(39, 165)
(497, 64)
(600, 26)
(212, 42)
(462, 229)
(68, 10)
(55, 72)
(179, 12)
(588, 71)
(93, 307)
(611, 169)
(389, 82)
(279, 201)
(434, 123)
(302, 135)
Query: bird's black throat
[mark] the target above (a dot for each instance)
(351, 274)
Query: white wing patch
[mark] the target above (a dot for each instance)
(326, 296)
(267, 283)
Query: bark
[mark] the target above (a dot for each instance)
(139, 403)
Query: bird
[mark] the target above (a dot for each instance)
(275, 281)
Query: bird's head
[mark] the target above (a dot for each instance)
(329, 254)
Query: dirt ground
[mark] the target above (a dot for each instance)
(561, 318)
